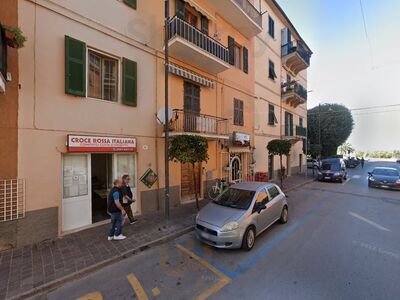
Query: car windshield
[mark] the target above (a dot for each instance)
(386, 172)
(235, 198)
(330, 167)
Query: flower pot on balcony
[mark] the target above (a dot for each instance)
(14, 37)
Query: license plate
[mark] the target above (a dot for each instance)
(327, 178)
(385, 186)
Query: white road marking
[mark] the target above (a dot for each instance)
(356, 176)
(369, 222)
(348, 179)
(378, 250)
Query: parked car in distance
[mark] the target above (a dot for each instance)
(398, 161)
(242, 212)
(312, 163)
(387, 178)
(333, 169)
(352, 162)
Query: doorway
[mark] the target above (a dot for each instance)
(188, 184)
(102, 178)
(271, 167)
(236, 168)
(301, 163)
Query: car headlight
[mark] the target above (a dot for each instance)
(230, 226)
(319, 173)
(371, 179)
(398, 181)
(337, 174)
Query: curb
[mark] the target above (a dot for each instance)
(52, 285)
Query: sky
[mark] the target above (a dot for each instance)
(351, 69)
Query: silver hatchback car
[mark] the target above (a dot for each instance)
(242, 212)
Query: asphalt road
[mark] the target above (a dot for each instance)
(342, 241)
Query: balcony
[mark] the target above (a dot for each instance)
(301, 132)
(295, 57)
(192, 46)
(241, 14)
(294, 94)
(189, 123)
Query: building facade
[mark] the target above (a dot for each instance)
(282, 59)
(83, 102)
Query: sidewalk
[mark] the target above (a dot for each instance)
(295, 181)
(38, 267)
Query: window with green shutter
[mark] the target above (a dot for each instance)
(75, 67)
(131, 3)
(180, 9)
(129, 82)
(245, 60)
(231, 49)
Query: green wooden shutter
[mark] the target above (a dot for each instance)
(131, 3)
(180, 9)
(75, 67)
(245, 60)
(129, 83)
(231, 49)
(204, 25)
(3, 53)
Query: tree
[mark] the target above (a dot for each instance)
(346, 148)
(281, 148)
(189, 149)
(329, 125)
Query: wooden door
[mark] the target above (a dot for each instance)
(188, 183)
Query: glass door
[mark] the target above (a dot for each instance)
(76, 199)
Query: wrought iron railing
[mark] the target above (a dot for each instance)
(12, 199)
(301, 131)
(296, 88)
(299, 48)
(186, 121)
(181, 28)
(251, 11)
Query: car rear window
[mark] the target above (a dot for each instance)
(330, 167)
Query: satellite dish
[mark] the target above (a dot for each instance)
(161, 115)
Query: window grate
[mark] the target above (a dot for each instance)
(12, 199)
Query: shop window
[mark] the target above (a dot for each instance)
(102, 77)
(75, 179)
(238, 118)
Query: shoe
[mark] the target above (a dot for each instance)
(119, 237)
(110, 238)
(133, 222)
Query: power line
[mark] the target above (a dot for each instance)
(378, 106)
(376, 112)
(366, 34)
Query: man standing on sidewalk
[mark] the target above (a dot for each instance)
(116, 211)
(127, 198)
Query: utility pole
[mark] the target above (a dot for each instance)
(319, 130)
(166, 130)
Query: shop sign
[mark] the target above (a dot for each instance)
(149, 178)
(241, 139)
(85, 143)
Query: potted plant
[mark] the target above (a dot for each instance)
(14, 36)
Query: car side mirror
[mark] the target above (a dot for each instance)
(260, 207)
(370, 173)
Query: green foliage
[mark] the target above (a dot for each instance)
(360, 153)
(188, 149)
(279, 147)
(19, 37)
(335, 122)
(384, 154)
(346, 148)
(314, 150)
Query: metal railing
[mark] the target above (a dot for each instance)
(301, 131)
(250, 10)
(181, 28)
(297, 89)
(12, 199)
(184, 121)
(299, 48)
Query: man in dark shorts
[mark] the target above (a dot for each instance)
(127, 198)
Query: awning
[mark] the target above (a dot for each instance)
(201, 10)
(185, 73)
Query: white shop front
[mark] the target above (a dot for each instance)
(88, 171)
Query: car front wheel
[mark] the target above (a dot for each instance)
(249, 239)
(284, 215)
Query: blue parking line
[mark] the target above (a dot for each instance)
(267, 247)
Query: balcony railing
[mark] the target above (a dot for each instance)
(299, 48)
(191, 122)
(250, 10)
(181, 28)
(297, 88)
(301, 131)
